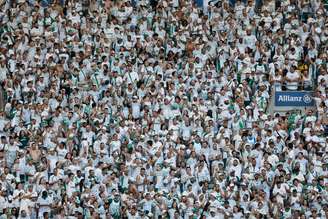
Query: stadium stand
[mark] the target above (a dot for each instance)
(163, 109)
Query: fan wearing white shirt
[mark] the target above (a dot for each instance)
(203, 173)
(293, 78)
(3, 71)
(136, 108)
(250, 40)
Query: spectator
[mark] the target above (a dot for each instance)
(293, 78)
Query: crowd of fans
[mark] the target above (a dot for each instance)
(158, 109)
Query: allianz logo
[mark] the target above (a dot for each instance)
(287, 98)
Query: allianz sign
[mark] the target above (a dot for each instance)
(294, 98)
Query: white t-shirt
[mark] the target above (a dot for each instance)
(135, 110)
(44, 205)
(292, 76)
(250, 41)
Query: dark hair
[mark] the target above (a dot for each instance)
(44, 194)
